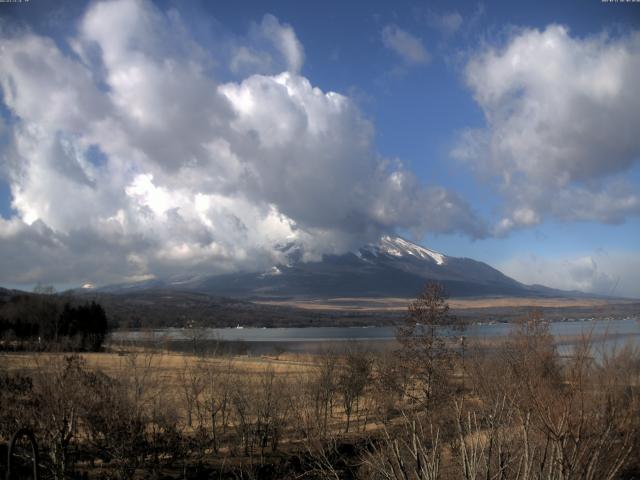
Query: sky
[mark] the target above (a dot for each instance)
(145, 139)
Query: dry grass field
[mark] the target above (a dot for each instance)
(398, 304)
(166, 362)
(163, 372)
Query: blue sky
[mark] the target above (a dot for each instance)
(500, 131)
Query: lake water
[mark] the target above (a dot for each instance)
(603, 332)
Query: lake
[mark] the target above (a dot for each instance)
(606, 333)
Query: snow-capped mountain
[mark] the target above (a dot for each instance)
(391, 267)
(399, 247)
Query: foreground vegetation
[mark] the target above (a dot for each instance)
(431, 410)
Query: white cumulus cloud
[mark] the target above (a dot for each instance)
(132, 160)
(562, 125)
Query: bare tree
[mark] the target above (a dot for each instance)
(423, 346)
(192, 383)
(324, 389)
(58, 388)
(241, 397)
(413, 453)
(545, 419)
(216, 396)
(353, 378)
(272, 409)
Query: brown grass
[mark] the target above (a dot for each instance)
(163, 362)
(392, 304)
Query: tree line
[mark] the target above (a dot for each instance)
(46, 321)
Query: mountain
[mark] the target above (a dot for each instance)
(392, 267)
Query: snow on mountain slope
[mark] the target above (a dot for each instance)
(399, 247)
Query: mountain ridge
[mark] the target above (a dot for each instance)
(391, 267)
